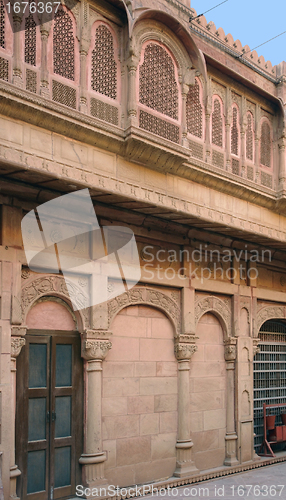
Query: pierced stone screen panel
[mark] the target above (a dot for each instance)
(103, 111)
(104, 67)
(31, 81)
(4, 69)
(249, 137)
(234, 132)
(2, 24)
(194, 111)
(159, 127)
(64, 94)
(63, 45)
(158, 88)
(217, 124)
(30, 40)
(265, 145)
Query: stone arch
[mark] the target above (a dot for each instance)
(39, 286)
(147, 296)
(219, 308)
(177, 30)
(153, 31)
(267, 313)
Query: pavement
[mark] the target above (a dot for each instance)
(267, 483)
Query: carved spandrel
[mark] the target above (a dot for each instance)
(95, 349)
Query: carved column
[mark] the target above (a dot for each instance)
(95, 347)
(132, 101)
(44, 85)
(83, 83)
(231, 436)
(185, 91)
(184, 349)
(282, 164)
(17, 62)
(208, 120)
(16, 345)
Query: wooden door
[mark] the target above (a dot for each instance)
(49, 411)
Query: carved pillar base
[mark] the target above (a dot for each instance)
(14, 473)
(185, 466)
(230, 450)
(44, 91)
(93, 469)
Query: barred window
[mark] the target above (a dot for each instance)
(249, 137)
(63, 45)
(194, 111)
(234, 131)
(158, 88)
(217, 124)
(30, 40)
(2, 24)
(104, 68)
(265, 145)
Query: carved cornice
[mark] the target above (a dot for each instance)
(230, 349)
(18, 331)
(97, 334)
(16, 346)
(184, 350)
(95, 349)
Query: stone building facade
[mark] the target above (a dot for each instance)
(179, 133)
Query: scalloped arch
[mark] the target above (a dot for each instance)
(146, 296)
(217, 307)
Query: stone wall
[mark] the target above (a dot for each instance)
(140, 398)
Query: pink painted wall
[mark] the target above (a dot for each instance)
(50, 315)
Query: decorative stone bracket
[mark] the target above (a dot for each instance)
(256, 348)
(230, 349)
(16, 346)
(95, 349)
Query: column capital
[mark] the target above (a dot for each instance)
(95, 349)
(184, 350)
(230, 349)
(16, 345)
(256, 348)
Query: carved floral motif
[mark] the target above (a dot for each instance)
(95, 349)
(184, 350)
(16, 346)
(256, 348)
(230, 349)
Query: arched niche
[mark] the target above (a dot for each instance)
(267, 313)
(51, 313)
(218, 308)
(38, 287)
(147, 296)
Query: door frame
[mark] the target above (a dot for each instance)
(22, 414)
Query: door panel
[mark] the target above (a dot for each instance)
(49, 415)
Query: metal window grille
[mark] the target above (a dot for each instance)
(269, 373)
